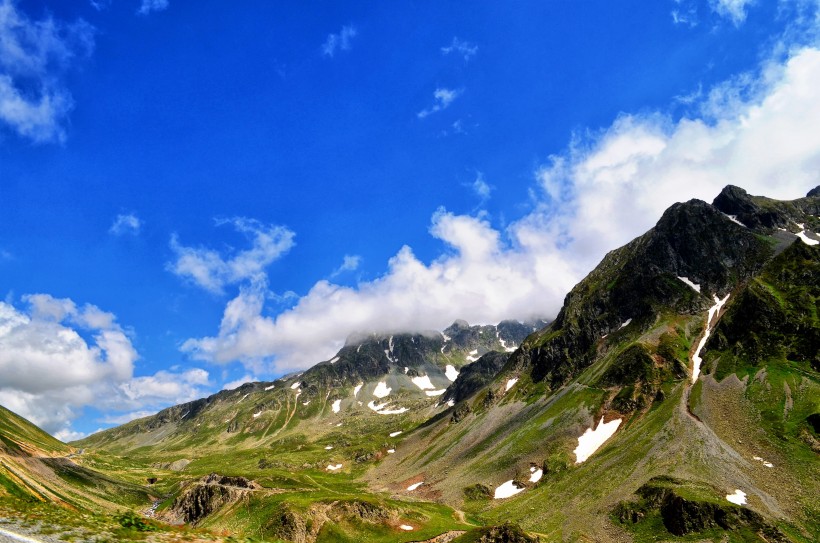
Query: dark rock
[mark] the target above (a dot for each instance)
(477, 492)
(638, 282)
(207, 496)
(814, 192)
(474, 376)
(505, 533)
(461, 411)
(683, 516)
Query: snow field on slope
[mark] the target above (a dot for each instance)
(591, 440)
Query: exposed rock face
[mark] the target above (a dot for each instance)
(366, 357)
(303, 527)
(758, 212)
(506, 533)
(475, 376)
(207, 496)
(634, 283)
(682, 516)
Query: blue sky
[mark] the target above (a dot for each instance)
(193, 195)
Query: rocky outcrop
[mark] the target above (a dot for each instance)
(633, 284)
(290, 524)
(474, 376)
(207, 496)
(685, 515)
(505, 533)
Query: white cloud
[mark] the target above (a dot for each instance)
(57, 357)
(247, 378)
(481, 188)
(349, 263)
(735, 10)
(211, 271)
(340, 41)
(443, 98)
(147, 6)
(460, 47)
(127, 223)
(100, 5)
(685, 13)
(33, 57)
(605, 189)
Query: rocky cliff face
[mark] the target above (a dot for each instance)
(633, 285)
(206, 496)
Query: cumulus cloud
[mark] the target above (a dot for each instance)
(34, 55)
(734, 10)
(147, 6)
(443, 98)
(57, 357)
(606, 188)
(462, 48)
(127, 223)
(210, 270)
(339, 41)
(349, 263)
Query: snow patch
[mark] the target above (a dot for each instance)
(507, 489)
(270, 387)
(243, 397)
(295, 385)
(306, 403)
(510, 383)
(398, 411)
(536, 475)
(451, 403)
(335, 359)
(406, 528)
(451, 372)
(807, 240)
(438, 392)
(626, 323)
(356, 389)
(331, 467)
(696, 359)
(690, 283)
(255, 415)
(377, 407)
(414, 486)
(337, 405)
(423, 382)
(733, 218)
(591, 440)
(391, 451)
(738, 498)
(329, 448)
(394, 434)
(764, 462)
(473, 356)
(382, 390)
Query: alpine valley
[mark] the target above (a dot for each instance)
(675, 397)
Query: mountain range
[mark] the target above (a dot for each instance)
(675, 397)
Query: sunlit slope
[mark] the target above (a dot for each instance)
(36, 467)
(621, 350)
(373, 384)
